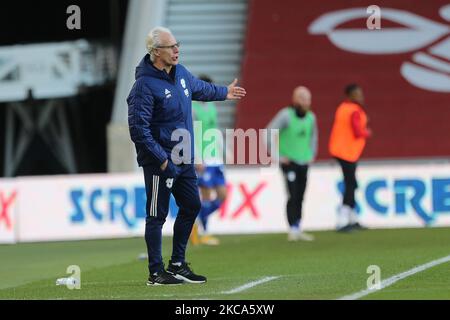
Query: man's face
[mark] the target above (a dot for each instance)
(302, 98)
(358, 96)
(167, 51)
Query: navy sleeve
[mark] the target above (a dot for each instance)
(204, 91)
(140, 110)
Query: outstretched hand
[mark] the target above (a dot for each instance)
(234, 92)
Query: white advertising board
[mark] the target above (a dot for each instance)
(110, 206)
(8, 210)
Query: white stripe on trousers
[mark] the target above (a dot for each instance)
(155, 208)
(153, 197)
(154, 202)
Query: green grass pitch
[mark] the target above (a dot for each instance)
(333, 266)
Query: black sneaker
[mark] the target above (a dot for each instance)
(345, 229)
(184, 272)
(358, 226)
(163, 278)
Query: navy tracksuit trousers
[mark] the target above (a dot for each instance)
(182, 182)
(350, 182)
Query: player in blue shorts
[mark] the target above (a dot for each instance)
(211, 182)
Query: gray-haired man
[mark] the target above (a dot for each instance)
(160, 103)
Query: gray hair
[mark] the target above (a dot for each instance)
(153, 40)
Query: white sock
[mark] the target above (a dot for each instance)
(353, 217)
(343, 217)
(294, 229)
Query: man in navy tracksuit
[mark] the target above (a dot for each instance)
(160, 103)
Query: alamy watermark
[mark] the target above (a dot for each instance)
(374, 280)
(74, 280)
(373, 22)
(250, 147)
(73, 22)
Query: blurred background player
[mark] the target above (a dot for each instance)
(210, 171)
(347, 142)
(298, 140)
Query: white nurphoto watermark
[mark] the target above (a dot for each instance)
(374, 280)
(374, 20)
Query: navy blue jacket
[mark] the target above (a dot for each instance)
(158, 104)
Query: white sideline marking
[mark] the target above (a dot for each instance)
(390, 281)
(249, 285)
